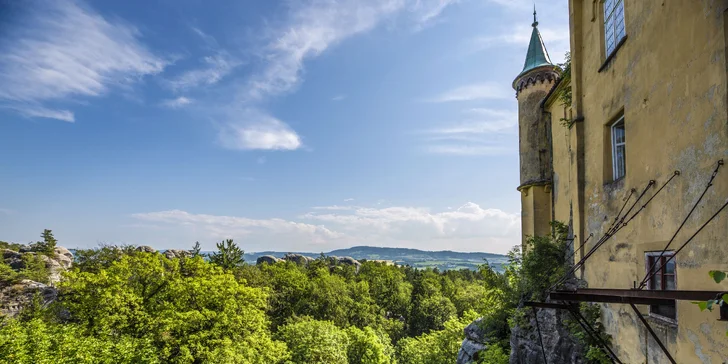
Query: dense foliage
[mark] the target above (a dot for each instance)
(122, 305)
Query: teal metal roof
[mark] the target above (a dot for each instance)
(537, 55)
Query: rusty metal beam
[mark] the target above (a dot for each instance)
(654, 336)
(557, 306)
(637, 297)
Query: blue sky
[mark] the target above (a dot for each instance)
(287, 125)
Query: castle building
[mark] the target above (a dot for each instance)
(625, 146)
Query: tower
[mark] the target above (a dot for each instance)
(532, 86)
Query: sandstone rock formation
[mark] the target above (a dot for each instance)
(558, 342)
(146, 249)
(269, 259)
(297, 258)
(176, 253)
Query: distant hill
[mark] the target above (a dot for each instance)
(443, 260)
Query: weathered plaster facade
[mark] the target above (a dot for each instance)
(668, 78)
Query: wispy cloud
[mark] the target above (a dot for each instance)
(310, 28)
(256, 130)
(218, 227)
(469, 228)
(477, 91)
(480, 131)
(176, 103)
(215, 68)
(556, 39)
(64, 50)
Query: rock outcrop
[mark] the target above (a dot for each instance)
(267, 259)
(146, 249)
(176, 253)
(13, 298)
(297, 258)
(475, 341)
(15, 295)
(559, 344)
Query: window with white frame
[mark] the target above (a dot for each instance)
(619, 163)
(662, 269)
(613, 24)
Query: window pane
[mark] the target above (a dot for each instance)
(670, 282)
(620, 162)
(670, 266)
(663, 310)
(656, 282)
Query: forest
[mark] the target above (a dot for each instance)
(117, 304)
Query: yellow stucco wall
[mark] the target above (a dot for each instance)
(669, 80)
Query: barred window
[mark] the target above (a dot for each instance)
(613, 24)
(662, 280)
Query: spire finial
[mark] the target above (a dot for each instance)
(535, 22)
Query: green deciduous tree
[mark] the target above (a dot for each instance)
(315, 342)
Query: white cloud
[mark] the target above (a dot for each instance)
(348, 199)
(255, 130)
(218, 227)
(66, 50)
(177, 102)
(310, 28)
(215, 68)
(478, 91)
(467, 228)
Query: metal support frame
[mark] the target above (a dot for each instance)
(627, 296)
(652, 332)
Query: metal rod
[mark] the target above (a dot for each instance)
(605, 238)
(644, 281)
(639, 297)
(589, 330)
(707, 187)
(540, 340)
(654, 336)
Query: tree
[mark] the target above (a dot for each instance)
(369, 347)
(204, 315)
(435, 347)
(228, 255)
(315, 342)
(195, 249)
(47, 246)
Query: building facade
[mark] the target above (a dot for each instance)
(645, 95)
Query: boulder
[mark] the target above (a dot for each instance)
(476, 340)
(348, 261)
(146, 249)
(13, 259)
(268, 259)
(15, 297)
(64, 257)
(297, 258)
(176, 253)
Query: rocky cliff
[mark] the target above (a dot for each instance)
(16, 294)
(558, 342)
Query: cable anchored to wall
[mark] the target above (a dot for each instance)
(650, 273)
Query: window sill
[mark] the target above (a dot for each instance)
(615, 185)
(662, 321)
(611, 55)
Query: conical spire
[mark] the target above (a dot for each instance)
(537, 55)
